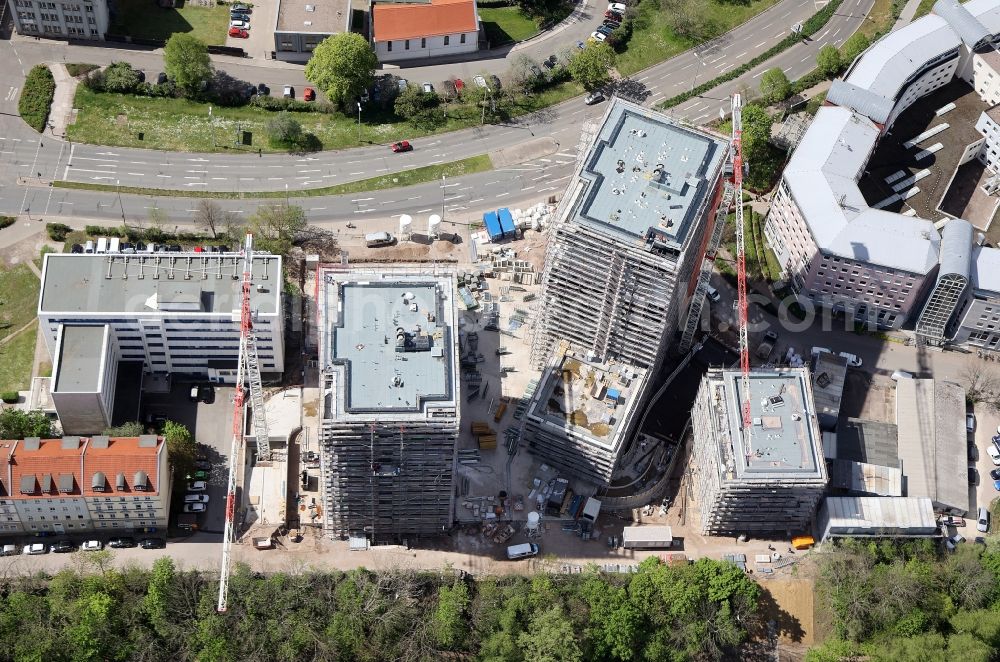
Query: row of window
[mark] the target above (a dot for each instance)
(423, 42)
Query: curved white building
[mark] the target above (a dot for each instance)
(880, 266)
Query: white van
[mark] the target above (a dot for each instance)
(376, 239)
(114, 245)
(712, 293)
(89, 246)
(983, 520)
(102, 245)
(522, 551)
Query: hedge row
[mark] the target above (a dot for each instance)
(36, 97)
(812, 25)
(152, 233)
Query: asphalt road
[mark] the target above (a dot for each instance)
(24, 157)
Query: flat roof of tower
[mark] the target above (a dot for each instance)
(784, 443)
(645, 171)
(394, 338)
(78, 368)
(156, 283)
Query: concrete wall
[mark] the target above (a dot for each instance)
(412, 49)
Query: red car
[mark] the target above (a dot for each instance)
(239, 33)
(459, 85)
(309, 94)
(613, 15)
(402, 146)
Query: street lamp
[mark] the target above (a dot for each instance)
(694, 81)
(286, 195)
(359, 121)
(118, 186)
(444, 192)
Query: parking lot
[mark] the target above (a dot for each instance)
(211, 426)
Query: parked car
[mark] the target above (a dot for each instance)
(995, 474)
(194, 507)
(161, 78)
(617, 7)
(480, 81)
(402, 84)
(852, 359)
(263, 89)
(237, 23)
(427, 88)
(92, 546)
(613, 15)
(401, 146)
(953, 542)
(197, 486)
(605, 30)
(289, 92)
(121, 543)
(450, 91)
(994, 454)
(206, 394)
(238, 33)
(63, 547)
(459, 85)
(983, 519)
(309, 94)
(970, 422)
(592, 98)
(142, 75)
(973, 476)
(495, 83)
(597, 36)
(35, 548)
(152, 543)
(9, 550)
(195, 498)
(197, 475)
(242, 8)
(550, 62)
(239, 16)
(816, 351)
(611, 24)
(203, 465)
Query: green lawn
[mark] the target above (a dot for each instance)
(654, 41)
(18, 298)
(507, 24)
(182, 125)
(143, 19)
(16, 359)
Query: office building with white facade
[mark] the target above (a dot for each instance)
(877, 266)
(78, 19)
(390, 411)
(415, 29)
(82, 485)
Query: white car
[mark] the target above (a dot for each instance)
(239, 24)
(617, 7)
(196, 498)
(598, 36)
(994, 454)
(853, 360)
(35, 548)
(480, 81)
(194, 507)
(953, 542)
(197, 486)
(92, 546)
(816, 351)
(970, 422)
(427, 88)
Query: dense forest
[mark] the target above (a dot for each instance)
(908, 602)
(704, 610)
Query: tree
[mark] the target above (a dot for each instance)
(342, 66)
(211, 215)
(121, 77)
(828, 61)
(774, 86)
(980, 382)
(284, 129)
(130, 429)
(275, 225)
(496, 106)
(414, 102)
(186, 61)
(691, 18)
(855, 45)
(756, 134)
(17, 424)
(524, 75)
(181, 447)
(449, 624)
(550, 638)
(591, 67)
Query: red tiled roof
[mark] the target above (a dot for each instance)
(123, 455)
(51, 459)
(393, 22)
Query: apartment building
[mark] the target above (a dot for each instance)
(81, 484)
(628, 237)
(175, 313)
(390, 412)
(80, 19)
(764, 479)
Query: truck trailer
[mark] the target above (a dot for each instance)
(647, 537)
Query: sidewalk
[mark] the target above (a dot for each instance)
(62, 102)
(906, 16)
